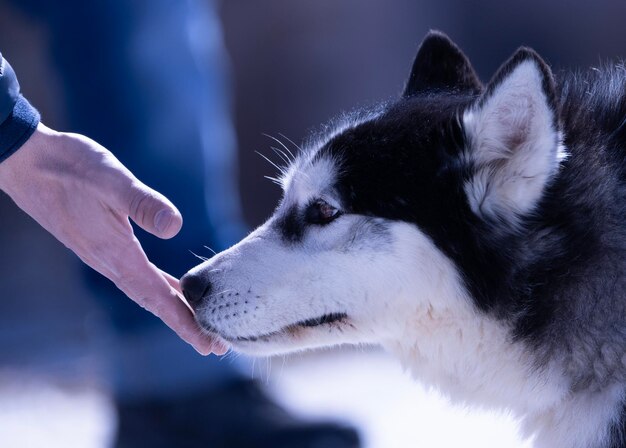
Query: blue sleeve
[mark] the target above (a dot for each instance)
(18, 119)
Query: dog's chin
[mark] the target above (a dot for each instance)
(322, 331)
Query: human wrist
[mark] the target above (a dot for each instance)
(20, 166)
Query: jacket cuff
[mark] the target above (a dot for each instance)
(9, 89)
(18, 127)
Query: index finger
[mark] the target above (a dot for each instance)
(149, 288)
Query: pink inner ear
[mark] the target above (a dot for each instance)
(516, 121)
(514, 145)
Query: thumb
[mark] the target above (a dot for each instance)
(153, 212)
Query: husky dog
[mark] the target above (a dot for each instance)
(477, 232)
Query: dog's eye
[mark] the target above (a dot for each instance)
(321, 212)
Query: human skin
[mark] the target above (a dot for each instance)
(80, 193)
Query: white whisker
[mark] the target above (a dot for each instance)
(292, 142)
(279, 168)
(274, 180)
(198, 256)
(281, 144)
(280, 153)
(207, 247)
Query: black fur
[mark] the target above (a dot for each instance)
(291, 225)
(618, 430)
(559, 278)
(441, 65)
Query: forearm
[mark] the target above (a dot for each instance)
(18, 119)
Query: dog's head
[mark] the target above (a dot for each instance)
(392, 215)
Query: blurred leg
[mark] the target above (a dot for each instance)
(146, 79)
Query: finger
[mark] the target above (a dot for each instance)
(145, 284)
(219, 347)
(162, 301)
(152, 211)
(128, 266)
(175, 314)
(173, 281)
(187, 328)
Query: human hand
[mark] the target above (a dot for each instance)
(79, 192)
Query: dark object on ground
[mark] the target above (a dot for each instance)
(239, 415)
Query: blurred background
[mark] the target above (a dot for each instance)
(183, 93)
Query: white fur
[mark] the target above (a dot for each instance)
(578, 421)
(514, 146)
(398, 290)
(306, 180)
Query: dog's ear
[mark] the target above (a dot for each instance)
(513, 139)
(441, 65)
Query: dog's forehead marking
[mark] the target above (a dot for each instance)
(309, 178)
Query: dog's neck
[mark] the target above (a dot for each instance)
(472, 359)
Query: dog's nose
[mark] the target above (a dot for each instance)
(195, 287)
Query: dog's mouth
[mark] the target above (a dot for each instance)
(326, 319)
